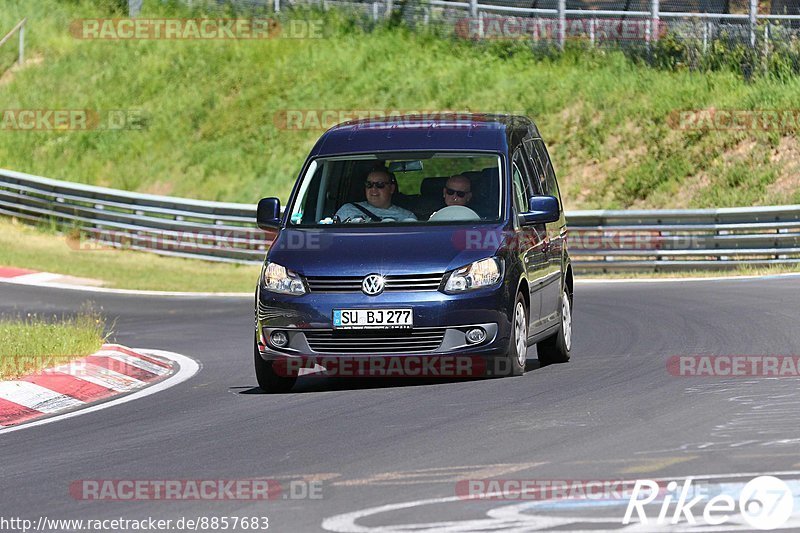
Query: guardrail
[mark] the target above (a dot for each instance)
(684, 239)
(165, 225)
(599, 241)
(19, 27)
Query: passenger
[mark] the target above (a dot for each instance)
(379, 188)
(457, 190)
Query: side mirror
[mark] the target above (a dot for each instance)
(268, 215)
(542, 209)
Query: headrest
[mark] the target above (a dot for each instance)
(432, 187)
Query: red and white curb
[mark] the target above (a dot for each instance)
(76, 387)
(23, 276)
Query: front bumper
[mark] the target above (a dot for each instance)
(440, 323)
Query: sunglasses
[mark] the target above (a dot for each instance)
(451, 192)
(378, 184)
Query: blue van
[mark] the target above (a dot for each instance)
(417, 236)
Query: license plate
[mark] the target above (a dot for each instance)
(372, 318)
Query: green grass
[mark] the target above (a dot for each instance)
(210, 106)
(34, 343)
(44, 250)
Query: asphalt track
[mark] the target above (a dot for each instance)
(612, 412)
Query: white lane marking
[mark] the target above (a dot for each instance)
(36, 397)
(131, 360)
(188, 367)
(106, 290)
(98, 375)
(786, 275)
(504, 518)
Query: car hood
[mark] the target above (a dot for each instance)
(390, 250)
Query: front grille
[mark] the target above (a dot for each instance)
(419, 340)
(406, 282)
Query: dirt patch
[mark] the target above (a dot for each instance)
(741, 151)
(9, 74)
(787, 158)
(161, 188)
(679, 198)
(587, 181)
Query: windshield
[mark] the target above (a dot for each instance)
(406, 188)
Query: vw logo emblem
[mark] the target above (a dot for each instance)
(373, 284)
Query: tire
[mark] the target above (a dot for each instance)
(556, 348)
(514, 361)
(268, 380)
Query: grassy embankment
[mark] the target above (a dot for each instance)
(34, 343)
(214, 130)
(211, 109)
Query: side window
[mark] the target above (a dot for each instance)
(551, 184)
(538, 172)
(520, 182)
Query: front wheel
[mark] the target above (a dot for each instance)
(556, 348)
(268, 380)
(518, 344)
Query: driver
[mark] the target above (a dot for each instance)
(457, 190)
(379, 188)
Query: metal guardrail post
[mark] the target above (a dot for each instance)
(22, 42)
(134, 8)
(753, 22)
(20, 27)
(277, 6)
(562, 23)
(705, 37)
(473, 8)
(654, 20)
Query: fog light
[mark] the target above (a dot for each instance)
(476, 335)
(278, 339)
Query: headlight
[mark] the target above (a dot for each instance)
(278, 279)
(479, 274)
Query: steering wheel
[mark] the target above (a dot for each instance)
(454, 212)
